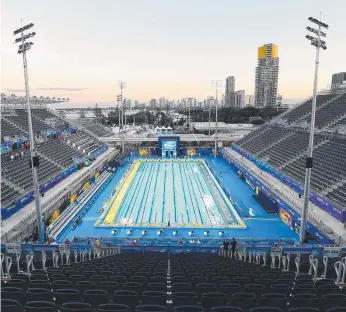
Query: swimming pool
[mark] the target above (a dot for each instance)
(178, 192)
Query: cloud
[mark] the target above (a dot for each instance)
(15, 90)
(62, 89)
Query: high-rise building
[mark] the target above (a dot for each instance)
(229, 92)
(338, 80)
(223, 100)
(152, 103)
(239, 99)
(249, 100)
(267, 72)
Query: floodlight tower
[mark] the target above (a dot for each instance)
(34, 161)
(318, 43)
(189, 100)
(119, 109)
(209, 99)
(121, 85)
(216, 84)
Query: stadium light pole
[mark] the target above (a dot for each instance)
(209, 98)
(217, 84)
(318, 43)
(121, 85)
(189, 99)
(119, 117)
(34, 161)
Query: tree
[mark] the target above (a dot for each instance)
(98, 114)
(113, 117)
(82, 113)
(62, 113)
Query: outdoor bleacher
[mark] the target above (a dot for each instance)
(60, 152)
(18, 173)
(285, 147)
(329, 165)
(305, 109)
(100, 280)
(8, 130)
(330, 112)
(21, 119)
(55, 154)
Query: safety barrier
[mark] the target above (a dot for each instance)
(61, 255)
(281, 259)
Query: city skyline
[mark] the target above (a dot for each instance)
(83, 48)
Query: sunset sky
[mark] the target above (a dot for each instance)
(170, 48)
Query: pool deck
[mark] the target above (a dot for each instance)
(260, 225)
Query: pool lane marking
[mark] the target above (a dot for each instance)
(195, 194)
(154, 196)
(154, 190)
(184, 193)
(212, 194)
(124, 203)
(145, 192)
(134, 194)
(150, 187)
(116, 204)
(188, 186)
(164, 194)
(201, 190)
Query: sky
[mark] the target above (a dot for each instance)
(169, 48)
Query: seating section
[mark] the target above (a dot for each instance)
(330, 112)
(84, 143)
(339, 194)
(284, 147)
(154, 282)
(57, 156)
(329, 165)
(21, 119)
(288, 148)
(7, 193)
(98, 129)
(49, 118)
(269, 136)
(305, 108)
(59, 152)
(8, 130)
(19, 173)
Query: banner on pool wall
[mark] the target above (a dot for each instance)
(192, 152)
(73, 198)
(334, 211)
(288, 215)
(142, 152)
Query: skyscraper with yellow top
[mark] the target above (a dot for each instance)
(267, 73)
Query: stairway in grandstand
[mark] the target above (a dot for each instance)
(283, 145)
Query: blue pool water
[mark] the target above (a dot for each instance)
(182, 193)
(261, 225)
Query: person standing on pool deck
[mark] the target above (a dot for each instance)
(233, 248)
(225, 248)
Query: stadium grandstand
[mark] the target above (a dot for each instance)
(92, 127)
(62, 148)
(282, 144)
(167, 215)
